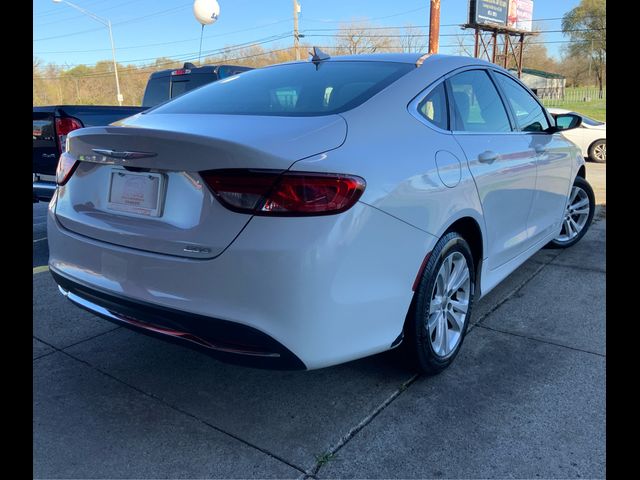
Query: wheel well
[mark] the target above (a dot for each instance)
(470, 231)
(582, 172)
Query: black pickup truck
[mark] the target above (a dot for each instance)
(50, 128)
(52, 124)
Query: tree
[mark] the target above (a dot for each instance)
(359, 37)
(412, 40)
(586, 26)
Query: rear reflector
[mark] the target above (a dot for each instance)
(64, 126)
(274, 193)
(66, 166)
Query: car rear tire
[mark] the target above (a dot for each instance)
(438, 320)
(578, 215)
(598, 151)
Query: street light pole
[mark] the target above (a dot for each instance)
(106, 23)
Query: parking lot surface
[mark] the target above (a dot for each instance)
(525, 397)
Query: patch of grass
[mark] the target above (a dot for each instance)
(324, 458)
(594, 109)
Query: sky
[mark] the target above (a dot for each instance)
(144, 30)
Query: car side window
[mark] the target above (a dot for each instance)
(529, 114)
(477, 105)
(434, 107)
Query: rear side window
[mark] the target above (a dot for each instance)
(477, 105)
(299, 89)
(157, 91)
(434, 107)
(529, 114)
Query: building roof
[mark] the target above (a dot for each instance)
(539, 73)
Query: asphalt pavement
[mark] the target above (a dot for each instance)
(525, 397)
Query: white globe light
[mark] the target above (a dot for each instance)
(206, 11)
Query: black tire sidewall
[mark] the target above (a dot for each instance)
(426, 358)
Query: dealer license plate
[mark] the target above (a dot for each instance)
(139, 193)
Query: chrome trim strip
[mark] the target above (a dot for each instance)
(51, 187)
(84, 303)
(125, 155)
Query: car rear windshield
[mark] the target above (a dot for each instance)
(299, 89)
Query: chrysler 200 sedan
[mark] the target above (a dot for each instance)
(312, 213)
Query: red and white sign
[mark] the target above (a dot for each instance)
(520, 15)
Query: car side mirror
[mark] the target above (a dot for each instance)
(567, 121)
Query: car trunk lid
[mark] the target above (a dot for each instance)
(137, 184)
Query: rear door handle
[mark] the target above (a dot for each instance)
(48, 155)
(487, 157)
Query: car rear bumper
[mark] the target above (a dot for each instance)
(325, 289)
(227, 341)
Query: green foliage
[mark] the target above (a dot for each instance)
(586, 26)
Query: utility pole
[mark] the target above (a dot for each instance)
(434, 26)
(296, 35)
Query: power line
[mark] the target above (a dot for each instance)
(84, 16)
(169, 43)
(183, 56)
(124, 22)
(416, 26)
(140, 70)
(365, 35)
(57, 11)
(369, 19)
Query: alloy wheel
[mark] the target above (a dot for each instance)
(575, 216)
(600, 152)
(449, 305)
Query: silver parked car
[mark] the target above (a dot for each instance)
(311, 213)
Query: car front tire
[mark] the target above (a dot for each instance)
(438, 320)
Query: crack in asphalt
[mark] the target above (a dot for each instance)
(575, 267)
(363, 423)
(540, 340)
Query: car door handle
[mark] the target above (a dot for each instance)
(48, 155)
(487, 157)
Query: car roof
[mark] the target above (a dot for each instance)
(411, 58)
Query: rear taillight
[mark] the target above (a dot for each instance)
(66, 166)
(64, 126)
(284, 194)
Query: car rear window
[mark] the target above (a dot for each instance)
(299, 89)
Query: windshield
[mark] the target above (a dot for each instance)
(299, 89)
